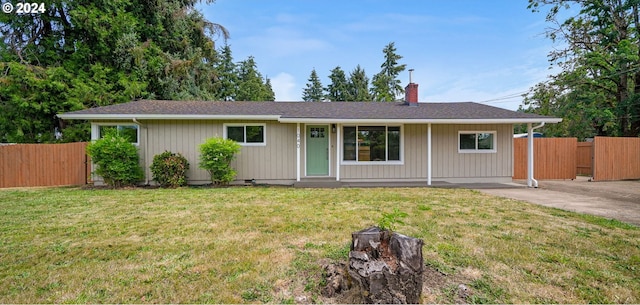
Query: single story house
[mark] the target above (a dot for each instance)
(289, 142)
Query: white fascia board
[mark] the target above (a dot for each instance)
(419, 121)
(167, 117)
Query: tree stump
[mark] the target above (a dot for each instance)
(386, 266)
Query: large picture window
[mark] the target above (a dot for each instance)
(476, 141)
(246, 134)
(371, 143)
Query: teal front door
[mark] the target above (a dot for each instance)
(317, 150)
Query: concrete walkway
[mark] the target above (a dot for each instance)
(615, 200)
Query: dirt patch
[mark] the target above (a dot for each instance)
(437, 286)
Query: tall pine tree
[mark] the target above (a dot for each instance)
(227, 79)
(268, 94)
(313, 91)
(251, 86)
(358, 86)
(337, 90)
(386, 85)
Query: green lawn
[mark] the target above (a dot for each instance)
(255, 244)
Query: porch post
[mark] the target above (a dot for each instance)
(95, 132)
(338, 140)
(298, 152)
(429, 154)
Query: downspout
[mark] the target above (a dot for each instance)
(146, 149)
(531, 182)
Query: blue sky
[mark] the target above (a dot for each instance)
(461, 50)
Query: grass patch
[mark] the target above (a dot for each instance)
(263, 245)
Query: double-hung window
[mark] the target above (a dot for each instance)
(477, 141)
(371, 144)
(246, 134)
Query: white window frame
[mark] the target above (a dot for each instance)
(356, 162)
(95, 130)
(476, 150)
(244, 125)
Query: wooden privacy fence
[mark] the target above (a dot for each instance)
(616, 158)
(554, 158)
(44, 165)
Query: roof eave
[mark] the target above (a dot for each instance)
(71, 116)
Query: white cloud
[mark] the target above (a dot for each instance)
(283, 86)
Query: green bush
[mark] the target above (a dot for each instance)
(169, 169)
(116, 160)
(216, 155)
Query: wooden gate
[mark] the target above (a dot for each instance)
(585, 158)
(554, 158)
(616, 158)
(23, 165)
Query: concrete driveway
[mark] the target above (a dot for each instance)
(612, 199)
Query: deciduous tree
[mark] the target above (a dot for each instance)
(600, 66)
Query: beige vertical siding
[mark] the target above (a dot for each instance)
(275, 161)
(449, 163)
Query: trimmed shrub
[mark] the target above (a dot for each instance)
(116, 160)
(169, 169)
(216, 155)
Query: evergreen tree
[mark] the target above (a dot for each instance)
(337, 90)
(380, 90)
(226, 86)
(358, 86)
(314, 91)
(250, 83)
(79, 54)
(269, 95)
(386, 85)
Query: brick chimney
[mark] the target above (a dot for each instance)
(411, 92)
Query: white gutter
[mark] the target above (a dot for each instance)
(167, 117)
(531, 182)
(419, 121)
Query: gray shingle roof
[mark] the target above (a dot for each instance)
(308, 110)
